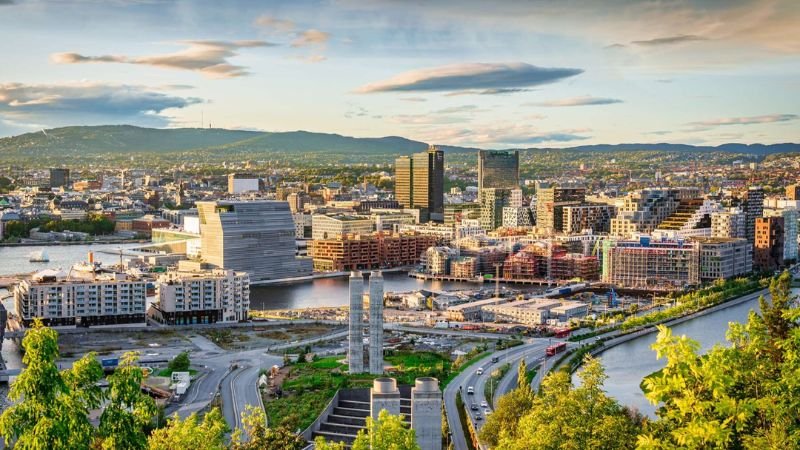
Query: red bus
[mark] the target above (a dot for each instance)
(562, 332)
(556, 348)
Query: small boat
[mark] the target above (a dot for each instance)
(39, 256)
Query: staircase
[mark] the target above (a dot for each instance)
(348, 414)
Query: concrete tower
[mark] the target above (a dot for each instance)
(385, 395)
(355, 355)
(426, 413)
(376, 323)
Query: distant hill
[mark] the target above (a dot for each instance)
(89, 140)
(126, 138)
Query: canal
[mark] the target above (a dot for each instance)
(628, 363)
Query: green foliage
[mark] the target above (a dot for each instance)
(389, 432)
(51, 408)
(180, 363)
(256, 435)
(191, 433)
(715, 294)
(740, 396)
(507, 413)
(567, 417)
(129, 412)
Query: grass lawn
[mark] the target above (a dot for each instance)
(311, 385)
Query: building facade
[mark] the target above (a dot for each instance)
(367, 252)
(198, 294)
(498, 169)
(722, 258)
(753, 210)
(589, 216)
(86, 295)
(550, 203)
(419, 183)
(332, 227)
(257, 237)
(768, 247)
(642, 264)
(729, 224)
(242, 182)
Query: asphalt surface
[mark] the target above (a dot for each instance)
(469, 377)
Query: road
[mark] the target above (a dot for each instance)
(233, 374)
(469, 377)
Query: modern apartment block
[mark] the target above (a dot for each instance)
(256, 237)
(589, 216)
(790, 216)
(644, 210)
(332, 227)
(517, 216)
(492, 202)
(729, 224)
(691, 218)
(753, 209)
(722, 258)
(550, 204)
(369, 251)
(768, 248)
(419, 183)
(498, 169)
(196, 293)
(86, 295)
(642, 264)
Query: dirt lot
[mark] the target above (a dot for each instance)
(107, 342)
(263, 336)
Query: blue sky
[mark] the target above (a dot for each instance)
(472, 72)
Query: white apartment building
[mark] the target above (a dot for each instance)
(730, 223)
(85, 295)
(198, 294)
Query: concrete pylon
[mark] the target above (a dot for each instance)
(384, 395)
(355, 353)
(426, 413)
(376, 323)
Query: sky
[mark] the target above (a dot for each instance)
(491, 74)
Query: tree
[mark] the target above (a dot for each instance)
(522, 375)
(191, 433)
(51, 409)
(567, 417)
(739, 396)
(389, 432)
(129, 412)
(509, 410)
(256, 435)
(180, 363)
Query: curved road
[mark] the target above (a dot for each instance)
(469, 377)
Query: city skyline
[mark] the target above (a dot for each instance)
(513, 75)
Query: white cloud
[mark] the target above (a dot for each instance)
(210, 58)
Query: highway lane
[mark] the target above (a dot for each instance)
(467, 378)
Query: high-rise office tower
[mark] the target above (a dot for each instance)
(403, 184)
(355, 353)
(59, 177)
(256, 237)
(419, 183)
(376, 323)
(498, 169)
(753, 209)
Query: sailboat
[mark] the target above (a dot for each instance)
(39, 256)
